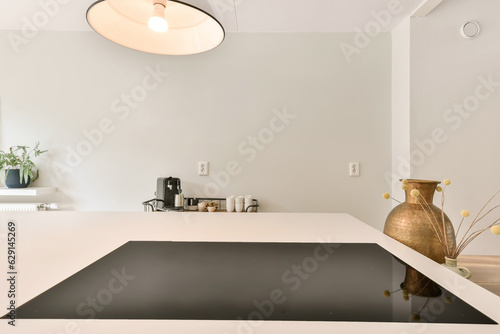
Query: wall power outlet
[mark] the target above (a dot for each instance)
(354, 169)
(203, 168)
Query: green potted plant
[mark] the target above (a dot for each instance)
(18, 166)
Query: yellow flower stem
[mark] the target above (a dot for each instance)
(437, 230)
(467, 241)
(430, 210)
(476, 219)
(482, 209)
(395, 200)
(459, 226)
(430, 221)
(444, 224)
(471, 237)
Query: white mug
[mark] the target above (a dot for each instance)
(238, 207)
(230, 204)
(247, 204)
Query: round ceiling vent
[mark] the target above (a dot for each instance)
(470, 29)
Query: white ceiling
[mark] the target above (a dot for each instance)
(235, 15)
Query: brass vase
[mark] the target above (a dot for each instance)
(409, 224)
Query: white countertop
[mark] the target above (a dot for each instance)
(52, 246)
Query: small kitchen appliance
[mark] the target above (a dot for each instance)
(168, 189)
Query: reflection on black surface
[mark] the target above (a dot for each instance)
(229, 281)
(419, 285)
(433, 304)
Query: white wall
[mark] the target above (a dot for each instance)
(445, 71)
(400, 108)
(63, 83)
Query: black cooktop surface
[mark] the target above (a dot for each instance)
(246, 281)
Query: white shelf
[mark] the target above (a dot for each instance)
(30, 191)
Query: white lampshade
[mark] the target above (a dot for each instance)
(126, 22)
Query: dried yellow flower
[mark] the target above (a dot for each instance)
(495, 229)
(404, 186)
(415, 193)
(405, 181)
(447, 182)
(448, 300)
(415, 317)
(465, 213)
(387, 196)
(439, 189)
(405, 292)
(406, 298)
(387, 293)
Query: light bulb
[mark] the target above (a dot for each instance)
(157, 22)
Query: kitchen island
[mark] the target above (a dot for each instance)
(52, 246)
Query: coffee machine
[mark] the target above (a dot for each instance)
(166, 190)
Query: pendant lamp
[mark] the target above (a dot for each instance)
(156, 26)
